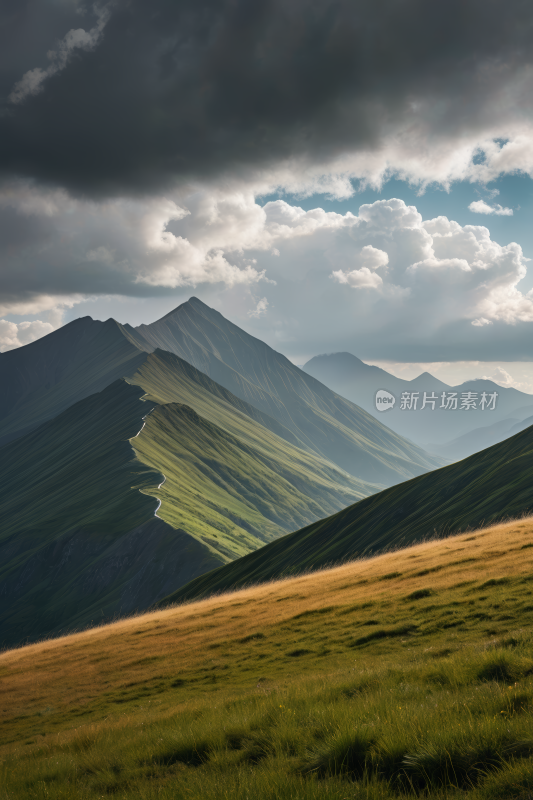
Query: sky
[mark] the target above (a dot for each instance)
(335, 175)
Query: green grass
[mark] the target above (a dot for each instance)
(397, 732)
(233, 496)
(303, 706)
(482, 489)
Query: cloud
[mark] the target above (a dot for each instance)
(358, 278)
(32, 82)
(502, 377)
(441, 291)
(30, 302)
(58, 249)
(14, 335)
(373, 258)
(384, 275)
(481, 207)
(296, 94)
(260, 308)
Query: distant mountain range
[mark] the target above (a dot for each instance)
(482, 489)
(446, 431)
(104, 425)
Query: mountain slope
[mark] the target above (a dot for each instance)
(42, 379)
(227, 494)
(77, 504)
(401, 677)
(166, 378)
(78, 539)
(321, 421)
(233, 473)
(483, 488)
(350, 377)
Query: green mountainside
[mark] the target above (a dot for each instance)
(321, 420)
(235, 478)
(166, 378)
(99, 517)
(69, 492)
(483, 488)
(42, 379)
(79, 540)
(229, 495)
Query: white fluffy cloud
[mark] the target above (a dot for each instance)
(481, 207)
(14, 335)
(381, 270)
(59, 249)
(358, 278)
(419, 155)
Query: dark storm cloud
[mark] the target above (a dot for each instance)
(194, 88)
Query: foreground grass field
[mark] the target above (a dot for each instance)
(410, 674)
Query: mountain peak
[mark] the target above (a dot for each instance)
(192, 302)
(426, 376)
(342, 366)
(344, 359)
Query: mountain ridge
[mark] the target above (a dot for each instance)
(481, 489)
(321, 419)
(350, 377)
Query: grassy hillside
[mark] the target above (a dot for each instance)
(406, 675)
(78, 539)
(166, 378)
(483, 488)
(235, 477)
(228, 494)
(322, 421)
(42, 379)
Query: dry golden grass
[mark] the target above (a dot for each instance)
(73, 676)
(410, 672)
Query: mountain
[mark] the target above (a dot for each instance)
(522, 425)
(231, 479)
(477, 439)
(45, 377)
(322, 421)
(79, 540)
(395, 678)
(42, 379)
(481, 489)
(350, 377)
(480, 438)
(102, 429)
